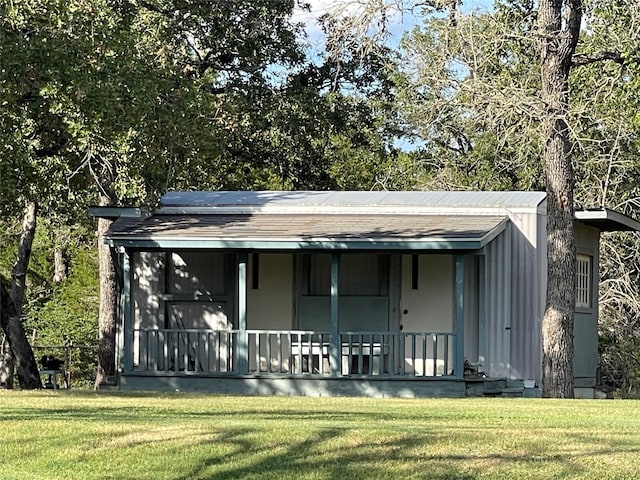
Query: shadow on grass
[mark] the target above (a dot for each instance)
(248, 438)
(115, 406)
(312, 457)
(407, 457)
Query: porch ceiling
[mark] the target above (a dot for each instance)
(307, 231)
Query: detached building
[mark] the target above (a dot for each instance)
(346, 293)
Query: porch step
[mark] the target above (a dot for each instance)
(493, 388)
(498, 387)
(513, 388)
(481, 387)
(512, 392)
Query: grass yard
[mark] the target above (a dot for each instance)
(86, 435)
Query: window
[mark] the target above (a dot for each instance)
(584, 265)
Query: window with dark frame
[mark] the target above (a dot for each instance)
(584, 284)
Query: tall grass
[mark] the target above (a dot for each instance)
(76, 435)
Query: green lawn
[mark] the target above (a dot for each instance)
(83, 435)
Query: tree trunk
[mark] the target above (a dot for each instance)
(19, 271)
(18, 286)
(59, 264)
(6, 365)
(558, 43)
(27, 368)
(108, 305)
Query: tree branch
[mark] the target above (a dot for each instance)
(580, 59)
(155, 8)
(569, 40)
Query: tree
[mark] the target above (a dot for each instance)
(469, 95)
(27, 369)
(14, 334)
(108, 305)
(459, 93)
(119, 101)
(559, 27)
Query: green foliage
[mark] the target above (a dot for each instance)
(69, 312)
(469, 93)
(58, 313)
(122, 95)
(129, 99)
(619, 358)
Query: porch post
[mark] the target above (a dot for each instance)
(243, 338)
(459, 350)
(482, 306)
(127, 317)
(335, 348)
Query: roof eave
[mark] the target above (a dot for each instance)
(298, 244)
(607, 220)
(113, 213)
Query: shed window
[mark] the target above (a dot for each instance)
(584, 265)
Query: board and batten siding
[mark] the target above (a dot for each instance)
(528, 292)
(515, 282)
(494, 341)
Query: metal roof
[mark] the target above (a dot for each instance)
(607, 220)
(336, 220)
(307, 231)
(175, 201)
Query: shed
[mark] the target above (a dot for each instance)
(346, 293)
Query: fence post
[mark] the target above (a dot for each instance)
(69, 360)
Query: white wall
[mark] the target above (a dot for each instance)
(527, 290)
(270, 306)
(431, 306)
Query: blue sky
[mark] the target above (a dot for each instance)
(398, 25)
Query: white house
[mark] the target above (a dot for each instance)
(346, 293)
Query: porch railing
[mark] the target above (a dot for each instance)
(291, 352)
(184, 350)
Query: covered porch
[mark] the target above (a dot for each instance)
(283, 315)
